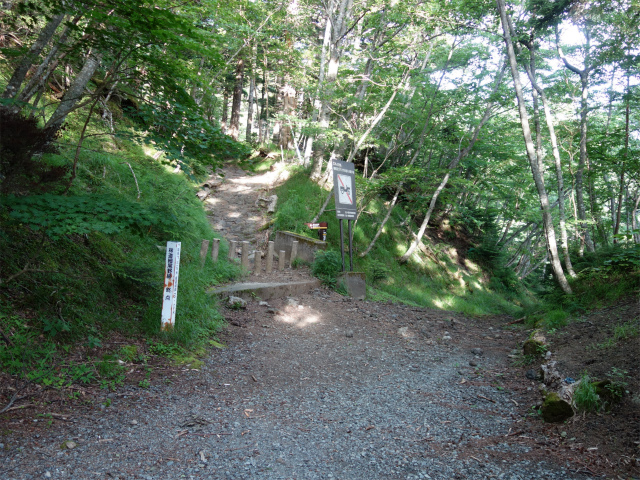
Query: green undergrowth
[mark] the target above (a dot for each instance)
(603, 278)
(260, 159)
(82, 267)
(438, 279)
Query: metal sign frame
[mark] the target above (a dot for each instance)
(344, 189)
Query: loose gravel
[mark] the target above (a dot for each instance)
(324, 388)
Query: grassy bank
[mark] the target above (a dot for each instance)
(441, 277)
(82, 273)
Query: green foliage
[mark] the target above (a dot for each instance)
(144, 383)
(187, 138)
(25, 355)
(165, 350)
(299, 200)
(478, 224)
(555, 319)
(110, 372)
(93, 342)
(617, 383)
(480, 227)
(622, 257)
(137, 278)
(59, 215)
(435, 283)
(95, 266)
(378, 271)
(627, 258)
(53, 327)
(327, 265)
(83, 373)
(585, 396)
(525, 360)
(625, 331)
(299, 262)
(261, 160)
(290, 217)
(603, 278)
(128, 353)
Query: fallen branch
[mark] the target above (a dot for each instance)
(520, 320)
(59, 416)
(19, 407)
(482, 396)
(134, 177)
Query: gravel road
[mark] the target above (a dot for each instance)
(319, 386)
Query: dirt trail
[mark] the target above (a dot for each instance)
(317, 386)
(232, 206)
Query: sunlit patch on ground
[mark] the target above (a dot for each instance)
(438, 303)
(299, 316)
(279, 174)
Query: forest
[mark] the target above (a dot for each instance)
(518, 116)
(496, 149)
(510, 131)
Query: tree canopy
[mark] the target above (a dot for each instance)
(519, 121)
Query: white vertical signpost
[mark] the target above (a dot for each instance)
(170, 291)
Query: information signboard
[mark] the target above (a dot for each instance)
(170, 291)
(344, 188)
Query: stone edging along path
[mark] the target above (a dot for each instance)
(313, 387)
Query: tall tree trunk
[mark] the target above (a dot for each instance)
(194, 86)
(531, 72)
(616, 229)
(552, 246)
(252, 97)
(250, 108)
(74, 93)
(288, 107)
(23, 67)
(318, 152)
(234, 124)
(262, 104)
(634, 217)
(338, 31)
(317, 104)
(584, 84)
(266, 101)
(225, 110)
(44, 70)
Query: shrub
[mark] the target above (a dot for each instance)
(378, 271)
(585, 397)
(327, 266)
(555, 319)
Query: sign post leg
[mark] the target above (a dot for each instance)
(341, 244)
(350, 246)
